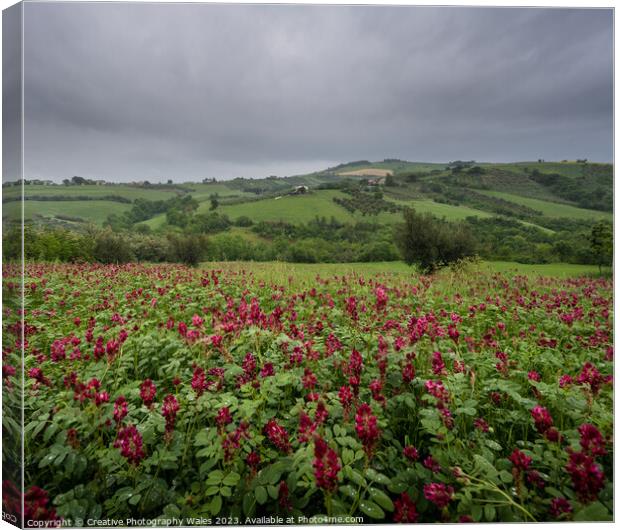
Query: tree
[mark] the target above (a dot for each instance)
(189, 249)
(214, 201)
(601, 243)
(111, 248)
(430, 242)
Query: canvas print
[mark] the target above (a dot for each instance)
(300, 264)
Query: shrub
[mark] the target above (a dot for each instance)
(189, 249)
(430, 242)
(111, 248)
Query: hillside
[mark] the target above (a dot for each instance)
(512, 207)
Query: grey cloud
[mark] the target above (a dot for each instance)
(129, 91)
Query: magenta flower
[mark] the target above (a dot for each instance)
(326, 465)
(405, 510)
(223, 417)
(147, 392)
(411, 453)
(520, 460)
(129, 441)
(120, 409)
(559, 507)
(366, 428)
(587, 476)
(169, 410)
(439, 494)
(591, 441)
(542, 419)
(278, 436)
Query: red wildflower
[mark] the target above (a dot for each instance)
(267, 370)
(411, 453)
(306, 427)
(408, 372)
(439, 494)
(482, 425)
(430, 463)
(439, 367)
(591, 440)
(120, 409)
(169, 410)
(366, 427)
(326, 465)
(283, 496)
(129, 441)
(520, 460)
(223, 417)
(542, 419)
(278, 436)
(309, 379)
(405, 510)
(587, 476)
(559, 507)
(147, 392)
(36, 501)
(199, 381)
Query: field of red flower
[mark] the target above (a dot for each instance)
(168, 392)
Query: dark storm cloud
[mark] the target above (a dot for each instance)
(131, 91)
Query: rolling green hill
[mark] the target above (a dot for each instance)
(93, 211)
(519, 190)
(551, 209)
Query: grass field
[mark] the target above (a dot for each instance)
(449, 211)
(201, 192)
(95, 211)
(129, 192)
(292, 209)
(551, 209)
(305, 273)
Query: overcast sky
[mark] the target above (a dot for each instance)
(154, 91)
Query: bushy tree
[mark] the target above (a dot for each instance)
(430, 242)
(189, 249)
(601, 243)
(111, 248)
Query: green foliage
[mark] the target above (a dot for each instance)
(189, 249)
(601, 243)
(430, 242)
(111, 248)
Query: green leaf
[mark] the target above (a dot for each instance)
(225, 491)
(261, 494)
(215, 477)
(375, 476)
(134, 499)
(348, 490)
(231, 479)
(593, 512)
(212, 490)
(489, 512)
(216, 505)
(381, 499)
(248, 503)
(371, 510)
(354, 476)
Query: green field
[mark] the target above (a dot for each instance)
(305, 273)
(95, 211)
(449, 211)
(551, 209)
(292, 208)
(201, 192)
(128, 192)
